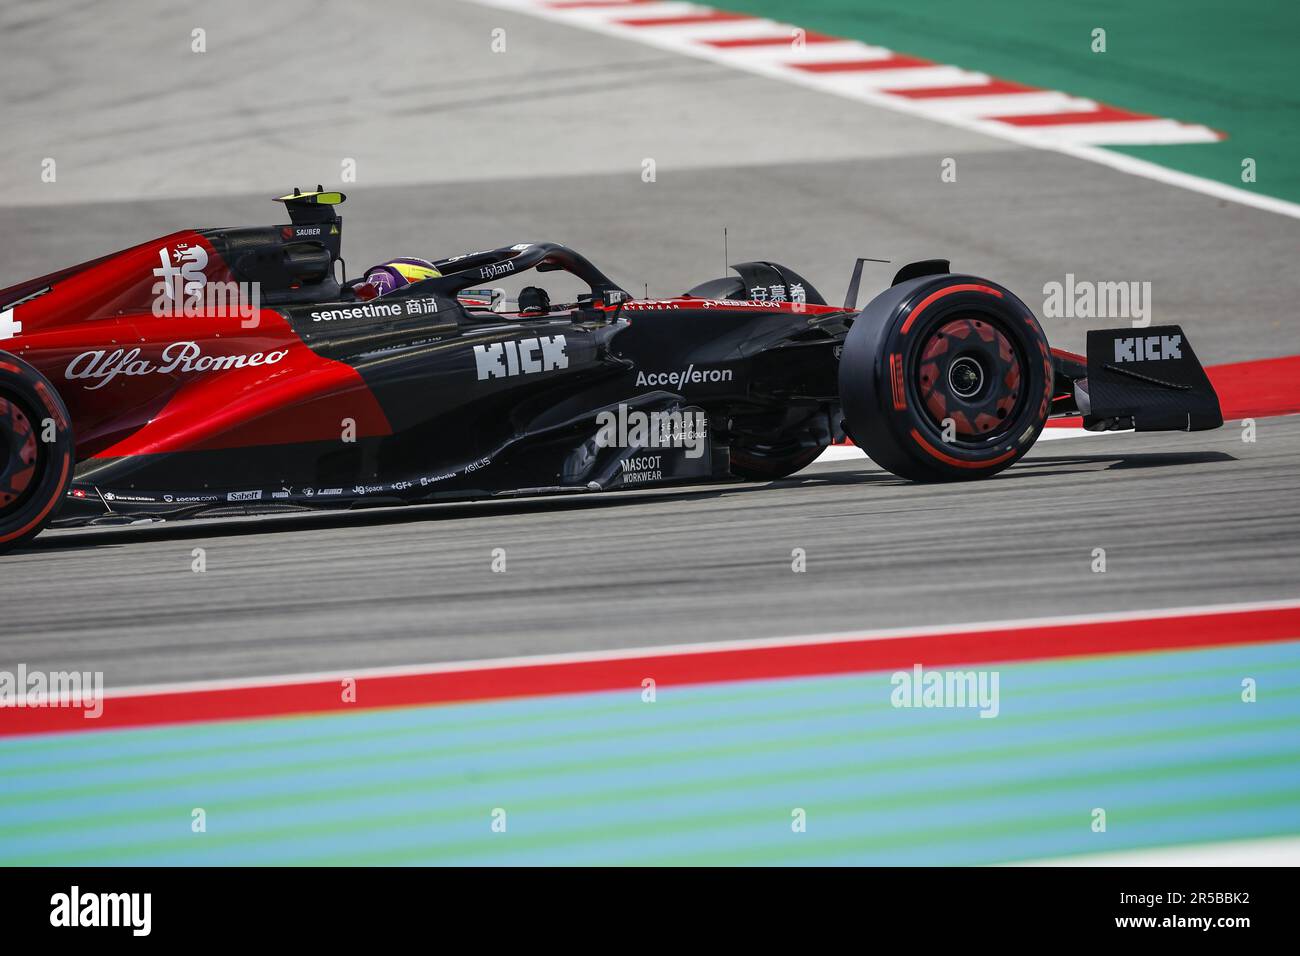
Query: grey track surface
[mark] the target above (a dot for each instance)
(460, 149)
(1183, 520)
(1225, 273)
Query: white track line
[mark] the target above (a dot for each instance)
(1140, 133)
(850, 452)
(1273, 851)
(1078, 141)
(668, 650)
(909, 78)
(812, 53)
(1004, 104)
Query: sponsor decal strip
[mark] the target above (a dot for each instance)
(102, 366)
(807, 656)
(545, 353)
(1031, 116)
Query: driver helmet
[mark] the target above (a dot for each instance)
(396, 273)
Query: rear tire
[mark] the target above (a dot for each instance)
(36, 452)
(945, 378)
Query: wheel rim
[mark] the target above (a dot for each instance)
(970, 372)
(18, 455)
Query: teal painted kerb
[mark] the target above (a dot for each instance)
(1162, 742)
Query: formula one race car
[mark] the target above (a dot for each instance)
(224, 371)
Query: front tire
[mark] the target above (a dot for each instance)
(36, 452)
(945, 378)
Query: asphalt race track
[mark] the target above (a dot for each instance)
(1183, 521)
(458, 149)
(740, 673)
